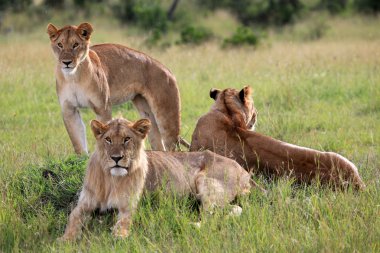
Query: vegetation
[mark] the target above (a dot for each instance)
(243, 35)
(195, 35)
(323, 94)
(160, 18)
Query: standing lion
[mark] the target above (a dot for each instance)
(104, 75)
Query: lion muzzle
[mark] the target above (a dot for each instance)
(119, 171)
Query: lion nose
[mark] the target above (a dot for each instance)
(116, 158)
(67, 63)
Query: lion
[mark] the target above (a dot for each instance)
(227, 130)
(104, 75)
(120, 170)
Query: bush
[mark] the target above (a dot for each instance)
(242, 36)
(15, 5)
(212, 4)
(57, 4)
(367, 6)
(333, 6)
(83, 3)
(195, 35)
(272, 12)
(147, 14)
(316, 30)
(150, 15)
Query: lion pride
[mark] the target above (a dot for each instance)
(104, 75)
(226, 130)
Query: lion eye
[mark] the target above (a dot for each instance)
(127, 139)
(75, 45)
(108, 140)
(60, 45)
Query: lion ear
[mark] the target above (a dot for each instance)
(142, 127)
(84, 31)
(98, 128)
(214, 93)
(52, 31)
(245, 94)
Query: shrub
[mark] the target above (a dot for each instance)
(242, 36)
(83, 3)
(212, 4)
(154, 37)
(316, 30)
(54, 3)
(334, 7)
(148, 14)
(15, 5)
(272, 12)
(195, 35)
(367, 6)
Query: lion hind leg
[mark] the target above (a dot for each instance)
(154, 135)
(166, 107)
(345, 172)
(210, 191)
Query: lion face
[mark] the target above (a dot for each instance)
(70, 45)
(239, 105)
(120, 143)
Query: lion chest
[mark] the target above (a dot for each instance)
(118, 195)
(114, 200)
(74, 94)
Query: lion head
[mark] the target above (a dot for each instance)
(238, 105)
(120, 144)
(70, 45)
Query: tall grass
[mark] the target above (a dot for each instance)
(323, 94)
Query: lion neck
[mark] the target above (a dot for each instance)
(226, 105)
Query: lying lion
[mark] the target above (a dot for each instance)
(104, 75)
(225, 129)
(119, 169)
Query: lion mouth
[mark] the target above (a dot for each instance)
(68, 70)
(119, 171)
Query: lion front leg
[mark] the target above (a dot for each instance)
(75, 128)
(210, 191)
(123, 225)
(76, 218)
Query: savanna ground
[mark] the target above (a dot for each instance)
(321, 94)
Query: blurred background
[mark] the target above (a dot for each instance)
(169, 22)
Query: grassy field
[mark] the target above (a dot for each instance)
(321, 94)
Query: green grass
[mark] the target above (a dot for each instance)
(322, 94)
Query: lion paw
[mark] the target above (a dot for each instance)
(196, 224)
(66, 237)
(120, 233)
(236, 211)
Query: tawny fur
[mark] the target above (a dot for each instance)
(104, 75)
(215, 180)
(224, 130)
